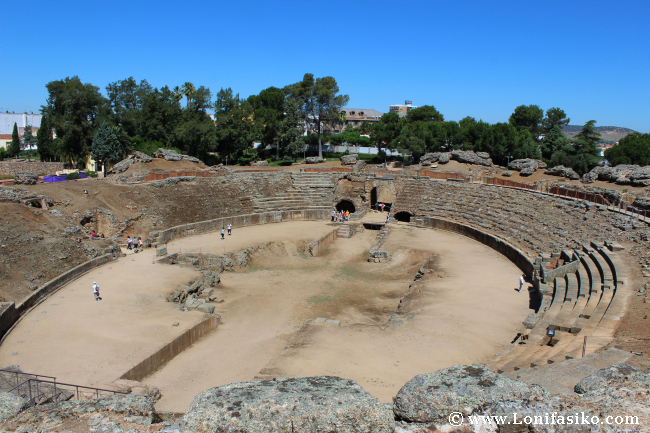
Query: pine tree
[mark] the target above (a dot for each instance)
(14, 147)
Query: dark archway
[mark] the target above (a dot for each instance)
(373, 197)
(403, 217)
(345, 205)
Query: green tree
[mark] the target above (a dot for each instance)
(14, 147)
(582, 155)
(525, 146)
(269, 114)
(319, 103)
(125, 98)
(44, 140)
(234, 123)
(634, 148)
(28, 138)
(188, 90)
(387, 130)
(160, 115)
(587, 138)
(106, 147)
(74, 109)
(553, 141)
(425, 113)
(554, 117)
(528, 117)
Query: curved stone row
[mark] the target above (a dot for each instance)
(532, 221)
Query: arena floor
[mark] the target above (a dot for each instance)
(464, 311)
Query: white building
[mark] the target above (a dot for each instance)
(7, 121)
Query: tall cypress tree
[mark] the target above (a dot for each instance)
(14, 147)
(106, 146)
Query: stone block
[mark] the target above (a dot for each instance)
(162, 251)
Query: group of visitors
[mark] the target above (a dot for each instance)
(223, 231)
(131, 243)
(341, 216)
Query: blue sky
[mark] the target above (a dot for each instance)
(467, 58)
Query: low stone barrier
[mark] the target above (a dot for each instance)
(11, 314)
(513, 254)
(316, 247)
(170, 350)
(559, 272)
(9, 167)
(164, 236)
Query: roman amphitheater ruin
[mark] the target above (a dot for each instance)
(292, 293)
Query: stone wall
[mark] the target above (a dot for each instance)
(184, 230)
(549, 274)
(171, 349)
(509, 251)
(316, 247)
(9, 167)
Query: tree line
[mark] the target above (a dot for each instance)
(140, 117)
(137, 116)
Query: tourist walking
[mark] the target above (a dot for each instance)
(223, 232)
(333, 216)
(229, 229)
(382, 207)
(140, 242)
(347, 215)
(129, 243)
(521, 282)
(96, 291)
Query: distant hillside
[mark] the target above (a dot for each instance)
(610, 134)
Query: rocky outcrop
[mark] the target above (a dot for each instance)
(314, 160)
(122, 166)
(20, 195)
(11, 405)
(470, 157)
(172, 155)
(507, 173)
(590, 177)
(260, 163)
(612, 375)
(349, 159)
(526, 166)
(301, 404)
(622, 174)
(444, 158)
(466, 389)
(358, 166)
(25, 178)
(116, 413)
(141, 157)
(172, 181)
(560, 170)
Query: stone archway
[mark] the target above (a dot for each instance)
(345, 205)
(403, 216)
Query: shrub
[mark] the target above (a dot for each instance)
(72, 176)
(91, 173)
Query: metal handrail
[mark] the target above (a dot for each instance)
(59, 387)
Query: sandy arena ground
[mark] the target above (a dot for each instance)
(463, 312)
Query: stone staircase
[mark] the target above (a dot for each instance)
(309, 191)
(561, 378)
(583, 301)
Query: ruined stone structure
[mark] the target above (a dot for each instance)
(558, 242)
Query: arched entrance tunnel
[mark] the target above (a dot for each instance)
(403, 217)
(345, 205)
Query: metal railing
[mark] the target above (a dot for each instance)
(39, 389)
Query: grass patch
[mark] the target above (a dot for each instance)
(302, 254)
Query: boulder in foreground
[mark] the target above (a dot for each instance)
(300, 404)
(465, 389)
